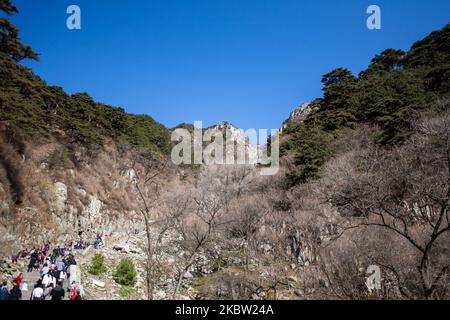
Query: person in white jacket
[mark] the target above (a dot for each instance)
(38, 293)
(62, 276)
(47, 280)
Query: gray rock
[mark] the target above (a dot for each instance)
(98, 283)
(299, 292)
(122, 247)
(298, 115)
(160, 295)
(61, 196)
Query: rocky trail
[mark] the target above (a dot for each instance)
(30, 278)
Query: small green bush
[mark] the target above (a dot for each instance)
(126, 292)
(125, 273)
(97, 264)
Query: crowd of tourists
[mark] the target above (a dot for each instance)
(83, 244)
(54, 266)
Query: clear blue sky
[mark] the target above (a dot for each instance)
(249, 62)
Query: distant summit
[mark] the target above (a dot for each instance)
(232, 132)
(298, 115)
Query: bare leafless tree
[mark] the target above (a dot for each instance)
(210, 203)
(148, 186)
(406, 191)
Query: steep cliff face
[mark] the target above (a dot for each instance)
(65, 161)
(241, 141)
(66, 192)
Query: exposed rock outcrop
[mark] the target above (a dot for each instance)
(252, 151)
(298, 115)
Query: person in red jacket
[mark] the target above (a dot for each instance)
(19, 279)
(75, 292)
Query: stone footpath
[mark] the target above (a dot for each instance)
(30, 278)
(9, 271)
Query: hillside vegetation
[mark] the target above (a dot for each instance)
(29, 106)
(391, 94)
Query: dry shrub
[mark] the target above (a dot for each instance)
(229, 286)
(400, 197)
(11, 163)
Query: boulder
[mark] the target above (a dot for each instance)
(122, 247)
(299, 292)
(160, 295)
(61, 196)
(98, 283)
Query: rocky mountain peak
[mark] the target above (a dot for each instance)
(298, 115)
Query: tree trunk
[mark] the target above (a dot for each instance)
(181, 275)
(150, 284)
(177, 288)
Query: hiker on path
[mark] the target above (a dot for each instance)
(16, 257)
(19, 279)
(15, 293)
(38, 293)
(45, 270)
(46, 248)
(60, 265)
(41, 258)
(48, 291)
(47, 280)
(98, 241)
(62, 276)
(32, 264)
(75, 292)
(58, 292)
(4, 291)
